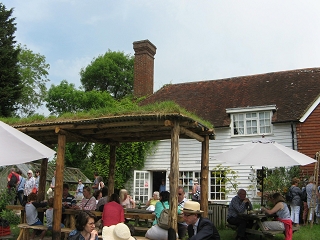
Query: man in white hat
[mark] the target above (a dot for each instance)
(199, 228)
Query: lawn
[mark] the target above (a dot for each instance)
(305, 233)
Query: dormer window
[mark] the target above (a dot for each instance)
(251, 121)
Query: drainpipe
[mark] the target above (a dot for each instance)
(292, 135)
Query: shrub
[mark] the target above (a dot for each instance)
(10, 216)
(6, 198)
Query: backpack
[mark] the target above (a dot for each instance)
(13, 181)
(304, 195)
(289, 196)
(163, 220)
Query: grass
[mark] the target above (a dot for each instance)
(305, 233)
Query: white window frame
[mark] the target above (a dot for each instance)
(250, 121)
(217, 187)
(141, 186)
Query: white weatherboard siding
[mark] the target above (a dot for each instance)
(190, 154)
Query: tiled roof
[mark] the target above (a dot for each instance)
(291, 91)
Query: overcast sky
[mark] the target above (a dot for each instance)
(195, 39)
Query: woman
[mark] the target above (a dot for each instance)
(283, 222)
(125, 200)
(113, 212)
(85, 224)
(151, 204)
(97, 195)
(296, 201)
(29, 185)
(155, 232)
(79, 192)
(88, 202)
(37, 178)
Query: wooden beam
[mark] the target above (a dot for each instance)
(191, 134)
(43, 177)
(74, 135)
(204, 182)
(174, 175)
(57, 205)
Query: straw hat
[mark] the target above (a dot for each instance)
(195, 181)
(116, 232)
(191, 207)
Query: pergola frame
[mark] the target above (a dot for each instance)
(114, 130)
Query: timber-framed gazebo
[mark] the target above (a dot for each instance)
(114, 130)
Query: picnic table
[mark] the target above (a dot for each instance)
(257, 227)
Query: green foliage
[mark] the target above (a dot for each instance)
(10, 216)
(33, 71)
(228, 176)
(129, 157)
(10, 83)
(279, 180)
(111, 72)
(6, 198)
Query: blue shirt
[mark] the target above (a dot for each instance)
(237, 206)
(21, 184)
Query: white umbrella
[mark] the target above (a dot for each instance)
(17, 147)
(264, 153)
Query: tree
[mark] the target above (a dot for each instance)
(10, 82)
(33, 71)
(66, 98)
(112, 72)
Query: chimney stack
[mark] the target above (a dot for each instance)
(143, 68)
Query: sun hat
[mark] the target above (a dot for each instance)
(116, 232)
(191, 207)
(195, 181)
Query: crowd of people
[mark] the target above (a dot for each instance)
(113, 209)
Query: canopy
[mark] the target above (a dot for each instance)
(17, 147)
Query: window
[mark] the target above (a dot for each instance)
(186, 181)
(141, 186)
(251, 123)
(217, 189)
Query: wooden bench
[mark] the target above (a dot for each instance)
(264, 232)
(24, 232)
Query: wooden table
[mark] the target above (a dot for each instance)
(257, 227)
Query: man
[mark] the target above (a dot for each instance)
(96, 182)
(199, 228)
(37, 178)
(13, 179)
(20, 187)
(102, 201)
(239, 204)
(182, 226)
(68, 200)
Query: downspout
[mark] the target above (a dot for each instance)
(292, 135)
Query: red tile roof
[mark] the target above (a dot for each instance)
(292, 92)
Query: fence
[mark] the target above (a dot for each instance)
(217, 213)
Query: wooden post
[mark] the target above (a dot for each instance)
(57, 205)
(174, 175)
(204, 183)
(43, 178)
(112, 167)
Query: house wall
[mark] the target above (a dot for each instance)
(308, 135)
(190, 154)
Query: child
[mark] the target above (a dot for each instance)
(32, 213)
(49, 214)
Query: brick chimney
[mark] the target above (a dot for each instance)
(143, 68)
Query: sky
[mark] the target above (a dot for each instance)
(196, 40)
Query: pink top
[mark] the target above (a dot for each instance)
(88, 204)
(112, 214)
